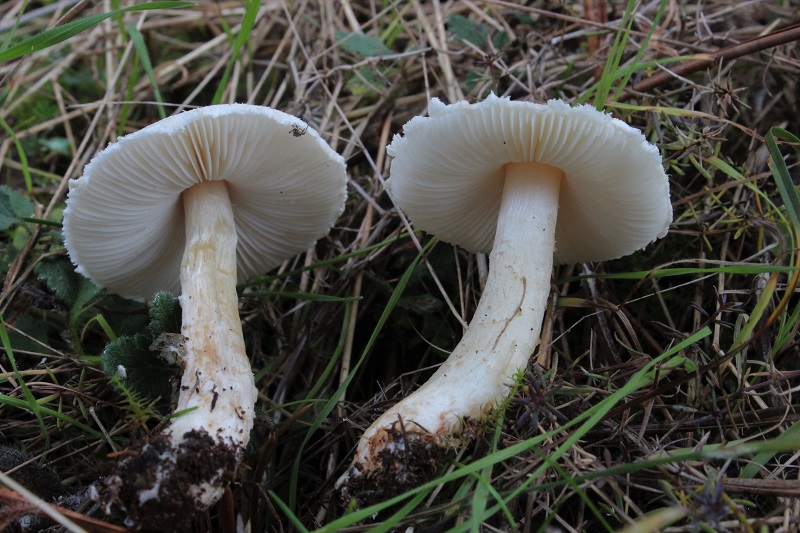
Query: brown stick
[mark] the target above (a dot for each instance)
(776, 487)
(776, 38)
(595, 11)
(9, 497)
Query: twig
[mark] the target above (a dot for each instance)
(20, 494)
(771, 40)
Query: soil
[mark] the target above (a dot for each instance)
(199, 459)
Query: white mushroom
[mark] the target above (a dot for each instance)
(532, 184)
(193, 204)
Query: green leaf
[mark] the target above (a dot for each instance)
(69, 286)
(57, 145)
(125, 351)
(366, 82)
(21, 205)
(27, 331)
(13, 208)
(464, 29)
(84, 293)
(360, 44)
(421, 304)
(501, 40)
(65, 31)
(143, 370)
(165, 315)
(60, 278)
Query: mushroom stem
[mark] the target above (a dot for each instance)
(197, 454)
(504, 329)
(217, 380)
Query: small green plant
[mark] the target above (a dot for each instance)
(144, 362)
(75, 291)
(14, 207)
(139, 410)
(490, 43)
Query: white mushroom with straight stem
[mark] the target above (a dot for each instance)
(194, 204)
(533, 184)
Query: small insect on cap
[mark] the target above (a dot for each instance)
(124, 226)
(447, 174)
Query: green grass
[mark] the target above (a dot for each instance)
(676, 368)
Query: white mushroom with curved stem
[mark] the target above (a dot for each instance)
(532, 184)
(193, 204)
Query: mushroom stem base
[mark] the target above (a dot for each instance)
(151, 485)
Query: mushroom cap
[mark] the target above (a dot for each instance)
(124, 222)
(447, 174)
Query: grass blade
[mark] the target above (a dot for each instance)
(62, 33)
(288, 512)
(23, 404)
(23, 159)
(741, 269)
(781, 174)
(144, 57)
(626, 76)
(30, 400)
(614, 57)
(752, 468)
(248, 21)
(311, 297)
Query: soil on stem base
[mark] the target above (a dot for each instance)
(155, 487)
(407, 459)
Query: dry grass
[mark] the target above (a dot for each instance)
(739, 384)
